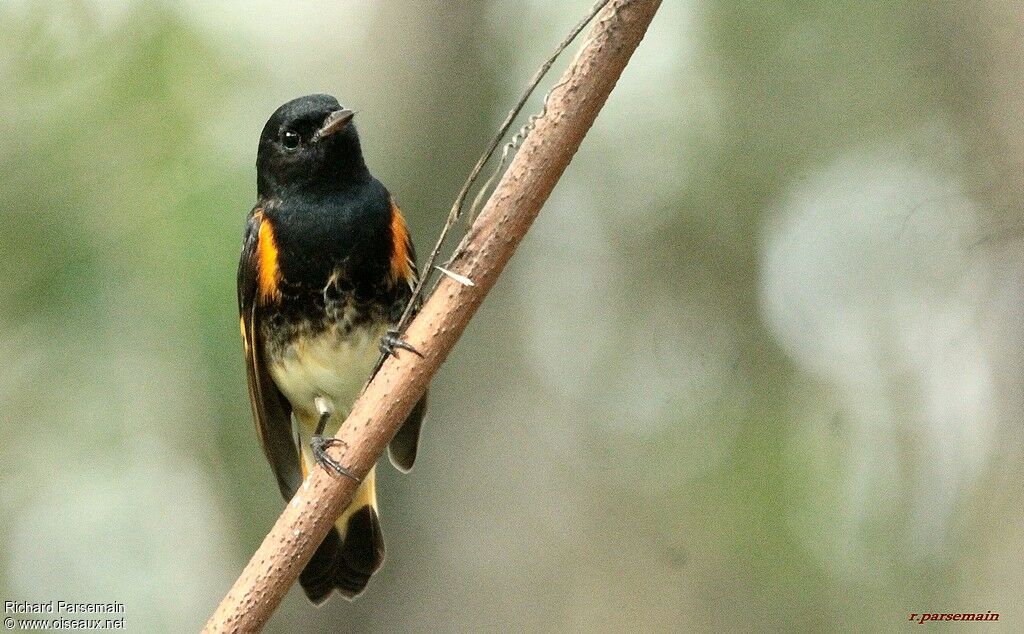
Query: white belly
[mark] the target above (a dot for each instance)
(327, 366)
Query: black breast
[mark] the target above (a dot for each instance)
(334, 255)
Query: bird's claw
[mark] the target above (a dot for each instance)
(319, 445)
(392, 341)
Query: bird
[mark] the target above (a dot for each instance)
(326, 269)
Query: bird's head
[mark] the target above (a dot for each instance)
(309, 142)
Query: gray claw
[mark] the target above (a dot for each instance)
(319, 445)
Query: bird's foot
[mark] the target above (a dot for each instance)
(391, 341)
(319, 445)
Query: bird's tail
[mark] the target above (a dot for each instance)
(351, 552)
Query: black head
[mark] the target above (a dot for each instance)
(308, 143)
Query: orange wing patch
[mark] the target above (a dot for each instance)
(268, 275)
(401, 266)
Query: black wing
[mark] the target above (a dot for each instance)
(404, 445)
(270, 408)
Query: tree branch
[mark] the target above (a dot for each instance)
(571, 109)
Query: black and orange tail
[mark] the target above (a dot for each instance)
(351, 552)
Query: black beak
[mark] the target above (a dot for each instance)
(336, 122)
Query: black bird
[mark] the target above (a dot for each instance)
(327, 267)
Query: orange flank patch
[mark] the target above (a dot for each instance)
(268, 274)
(401, 267)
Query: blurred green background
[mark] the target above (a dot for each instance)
(757, 367)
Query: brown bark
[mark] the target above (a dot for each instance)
(571, 109)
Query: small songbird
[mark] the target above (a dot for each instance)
(327, 268)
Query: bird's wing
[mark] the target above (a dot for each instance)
(403, 447)
(270, 408)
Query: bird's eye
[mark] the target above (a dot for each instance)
(290, 139)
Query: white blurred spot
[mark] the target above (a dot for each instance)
(870, 284)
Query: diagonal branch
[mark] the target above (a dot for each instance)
(571, 109)
(460, 199)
